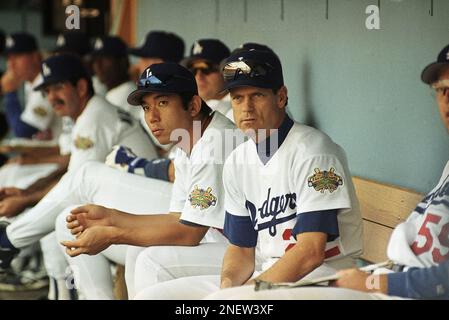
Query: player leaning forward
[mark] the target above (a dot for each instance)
(290, 204)
(185, 241)
(98, 127)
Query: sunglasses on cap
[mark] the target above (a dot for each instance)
(204, 67)
(247, 68)
(159, 81)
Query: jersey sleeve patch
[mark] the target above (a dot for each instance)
(202, 198)
(324, 180)
(318, 221)
(83, 143)
(40, 111)
(240, 231)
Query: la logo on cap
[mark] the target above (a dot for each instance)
(46, 70)
(197, 48)
(9, 42)
(149, 72)
(447, 55)
(98, 44)
(60, 41)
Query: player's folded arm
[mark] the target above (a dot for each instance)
(13, 113)
(421, 283)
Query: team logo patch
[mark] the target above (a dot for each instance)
(83, 143)
(203, 199)
(40, 111)
(325, 180)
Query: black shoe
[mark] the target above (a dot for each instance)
(13, 281)
(6, 254)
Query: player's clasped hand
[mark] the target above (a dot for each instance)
(91, 241)
(93, 227)
(12, 206)
(10, 192)
(89, 216)
(12, 201)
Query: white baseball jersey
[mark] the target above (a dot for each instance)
(38, 111)
(65, 138)
(118, 96)
(198, 188)
(223, 106)
(269, 200)
(100, 89)
(101, 126)
(423, 240)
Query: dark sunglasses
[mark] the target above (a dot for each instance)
(206, 70)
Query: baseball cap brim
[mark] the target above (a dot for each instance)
(7, 52)
(258, 83)
(105, 53)
(138, 52)
(135, 97)
(44, 84)
(431, 72)
(188, 61)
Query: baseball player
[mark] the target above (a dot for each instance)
(24, 60)
(204, 60)
(78, 43)
(4, 129)
(288, 190)
(157, 47)
(38, 118)
(98, 126)
(110, 65)
(184, 241)
(419, 246)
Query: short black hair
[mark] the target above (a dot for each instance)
(187, 97)
(90, 86)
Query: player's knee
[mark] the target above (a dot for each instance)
(147, 294)
(152, 258)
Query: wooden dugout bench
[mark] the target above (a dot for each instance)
(383, 207)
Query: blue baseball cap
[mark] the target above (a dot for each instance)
(160, 44)
(255, 68)
(109, 46)
(60, 68)
(20, 42)
(73, 42)
(251, 46)
(166, 77)
(212, 50)
(431, 72)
